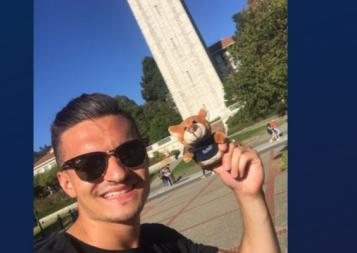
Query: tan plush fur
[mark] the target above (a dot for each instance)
(193, 130)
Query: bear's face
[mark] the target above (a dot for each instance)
(192, 130)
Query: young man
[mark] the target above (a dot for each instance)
(103, 164)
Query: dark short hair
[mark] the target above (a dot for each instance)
(85, 107)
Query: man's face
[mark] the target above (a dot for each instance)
(120, 194)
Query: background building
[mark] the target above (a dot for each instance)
(181, 56)
(45, 163)
(222, 59)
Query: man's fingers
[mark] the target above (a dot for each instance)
(227, 157)
(223, 147)
(236, 159)
(243, 161)
(235, 162)
(247, 156)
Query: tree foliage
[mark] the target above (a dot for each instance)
(261, 47)
(135, 111)
(153, 87)
(158, 112)
(46, 183)
(159, 117)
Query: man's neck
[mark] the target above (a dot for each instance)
(106, 235)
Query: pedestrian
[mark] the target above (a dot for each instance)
(103, 163)
(164, 179)
(271, 132)
(60, 221)
(206, 173)
(169, 175)
(276, 130)
(73, 214)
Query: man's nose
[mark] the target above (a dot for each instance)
(115, 172)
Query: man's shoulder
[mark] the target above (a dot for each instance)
(54, 243)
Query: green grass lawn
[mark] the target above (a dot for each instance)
(284, 159)
(185, 168)
(154, 175)
(53, 207)
(242, 137)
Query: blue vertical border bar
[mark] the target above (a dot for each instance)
(16, 103)
(322, 214)
(322, 125)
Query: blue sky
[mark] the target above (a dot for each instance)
(96, 46)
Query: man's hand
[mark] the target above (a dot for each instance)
(241, 169)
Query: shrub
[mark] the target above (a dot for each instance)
(281, 109)
(284, 160)
(175, 153)
(239, 121)
(52, 203)
(156, 158)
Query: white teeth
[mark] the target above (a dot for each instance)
(115, 194)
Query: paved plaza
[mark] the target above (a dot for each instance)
(204, 210)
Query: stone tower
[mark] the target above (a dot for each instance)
(180, 55)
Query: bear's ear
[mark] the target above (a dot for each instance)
(202, 113)
(175, 130)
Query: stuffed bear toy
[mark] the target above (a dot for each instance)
(200, 143)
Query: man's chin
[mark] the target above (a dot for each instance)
(126, 213)
(124, 218)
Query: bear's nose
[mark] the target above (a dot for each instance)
(192, 128)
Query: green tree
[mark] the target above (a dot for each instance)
(153, 118)
(136, 111)
(159, 117)
(153, 86)
(46, 182)
(159, 111)
(261, 47)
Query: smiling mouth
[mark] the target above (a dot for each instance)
(117, 194)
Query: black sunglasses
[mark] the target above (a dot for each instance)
(92, 166)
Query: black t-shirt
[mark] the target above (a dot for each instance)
(154, 238)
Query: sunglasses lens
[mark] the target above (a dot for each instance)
(90, 167)
(132, 154)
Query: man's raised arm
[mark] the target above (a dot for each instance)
(242, 171)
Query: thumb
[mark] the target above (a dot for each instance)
(223, 147)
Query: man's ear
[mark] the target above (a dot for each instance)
(66, 183)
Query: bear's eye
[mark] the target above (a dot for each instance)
(185, 128)
(194, 122)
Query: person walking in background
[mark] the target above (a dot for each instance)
(168, 175)
(276, 130)
(271, 132)
(73, 213)
(164, 179)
